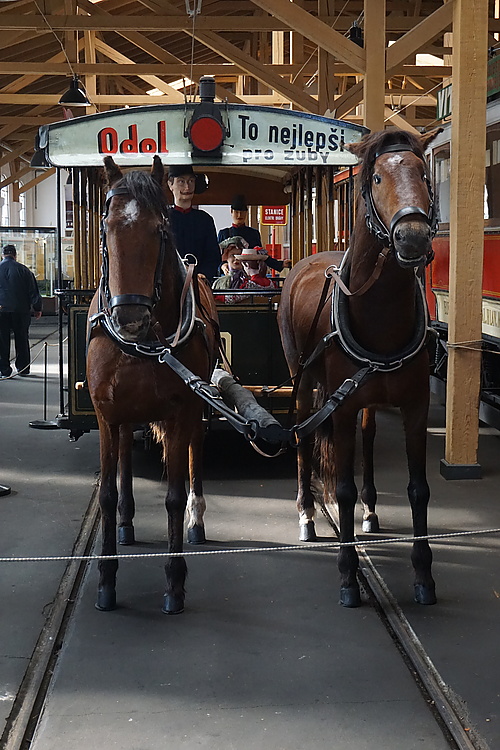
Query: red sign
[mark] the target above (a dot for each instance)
(274, 215)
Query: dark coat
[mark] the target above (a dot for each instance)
(194, 232)
(18, 288)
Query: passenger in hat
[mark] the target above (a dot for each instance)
(194, 230)
(254, 264)
(236, 278)
(239, 214)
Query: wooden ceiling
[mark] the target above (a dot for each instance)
(271, 52)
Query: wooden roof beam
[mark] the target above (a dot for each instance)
(248, 64)
(172, 94)
(36, 180)
(180, 69)
(397, 53)
(152, 49)
(413, 41)
(318, 32)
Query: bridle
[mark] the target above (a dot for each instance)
(106, 301)
(339, 309)
(375, 223)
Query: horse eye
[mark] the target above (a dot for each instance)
(377, 179)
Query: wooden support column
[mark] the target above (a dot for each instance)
(294, 221)
(301, 250)
(90, 80)
(327, 82)
(374, 81)
(308, 210)
(468, 144)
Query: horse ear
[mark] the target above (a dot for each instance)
(157, 171)
(358, 149)
(429, 137)
(112, 170)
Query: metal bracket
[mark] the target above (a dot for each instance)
(195, 10)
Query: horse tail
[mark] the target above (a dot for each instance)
(324, 448)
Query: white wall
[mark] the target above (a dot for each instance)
(41, 207)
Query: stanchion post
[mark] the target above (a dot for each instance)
(44, 424)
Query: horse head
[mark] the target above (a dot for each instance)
(395, 184)
(133, 244)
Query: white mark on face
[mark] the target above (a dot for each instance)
(395, 159)
(130, 211)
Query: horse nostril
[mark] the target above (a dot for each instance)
(398, 235)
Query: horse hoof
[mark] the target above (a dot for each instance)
(196, 535)
(106, 599)
(173, 605)
(349, 596)
(126, 535)
(307, 532)
(371, 525)
(425, 594)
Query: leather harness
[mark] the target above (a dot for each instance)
(165, 351)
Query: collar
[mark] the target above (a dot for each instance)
(239, 226)
(183, 210)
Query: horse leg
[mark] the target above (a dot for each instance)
(126, 505)
(196, 504)
(305, 497)
(109, 438)
(175, 454)
(415, 424)
(368, 491)
(346, 495)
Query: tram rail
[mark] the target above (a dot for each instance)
(35, 687)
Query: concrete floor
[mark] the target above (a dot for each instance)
(263, 656)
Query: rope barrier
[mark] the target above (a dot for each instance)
(247, 550)
(34, 357)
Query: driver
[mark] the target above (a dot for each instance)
(193, 229)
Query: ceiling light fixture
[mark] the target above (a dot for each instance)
(74, 96)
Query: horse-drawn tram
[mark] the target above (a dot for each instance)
(232, 672)
(275, 157)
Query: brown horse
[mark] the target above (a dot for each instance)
(376, 326)
(135, 314)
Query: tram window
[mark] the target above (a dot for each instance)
(492, 180)
(442, 182)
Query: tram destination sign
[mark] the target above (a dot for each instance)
(256, 136)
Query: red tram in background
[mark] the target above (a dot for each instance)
(437, 274)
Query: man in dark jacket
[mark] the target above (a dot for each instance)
(239, 228)
(193, 229)
(19, 293)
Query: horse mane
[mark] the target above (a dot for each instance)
(145, 190)
(376, 142)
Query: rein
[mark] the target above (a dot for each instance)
(370, 362)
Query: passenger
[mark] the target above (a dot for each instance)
(239, 214)
(254, 264)
(19, 293)
(236, 278)
(239, 228)
(193, 230)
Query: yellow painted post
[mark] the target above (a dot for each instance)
(468, 145)
(374, 81)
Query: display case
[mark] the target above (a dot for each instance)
(37, 249)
